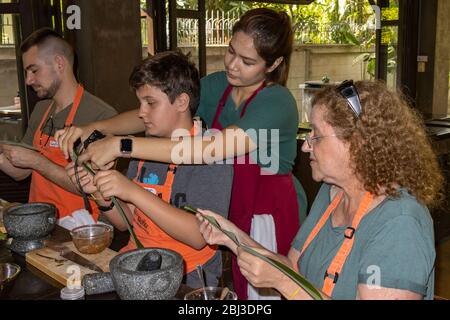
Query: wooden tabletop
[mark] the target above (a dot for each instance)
(32, 284)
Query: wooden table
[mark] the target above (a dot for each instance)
(32, 284)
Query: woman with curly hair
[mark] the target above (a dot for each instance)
(369, 234)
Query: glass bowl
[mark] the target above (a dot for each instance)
(212, 293)
(91, 239)
(8, 272)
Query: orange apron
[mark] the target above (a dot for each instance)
(44, 190)
(332, 273)
(151, 235)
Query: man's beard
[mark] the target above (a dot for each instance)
(51, 91)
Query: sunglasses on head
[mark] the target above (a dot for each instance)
(348, 90)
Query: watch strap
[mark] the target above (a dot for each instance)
(106, 208)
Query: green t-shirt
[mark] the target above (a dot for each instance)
(274, 107)
(393, 248)
(91, 109)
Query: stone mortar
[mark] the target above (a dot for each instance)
(30, 221)
(160, 284)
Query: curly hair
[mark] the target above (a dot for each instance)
(388, 143)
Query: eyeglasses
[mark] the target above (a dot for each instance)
(310, 139)
(49, 132)
(348, 90)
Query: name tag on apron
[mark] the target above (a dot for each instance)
(151, 190)
(54, 144)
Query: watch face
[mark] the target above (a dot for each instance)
(126, 145)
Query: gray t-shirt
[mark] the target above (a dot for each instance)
(200, 186)
(393, 247)
(91, 109)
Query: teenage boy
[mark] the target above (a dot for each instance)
(168, 88)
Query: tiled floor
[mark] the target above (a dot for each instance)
(442, 288)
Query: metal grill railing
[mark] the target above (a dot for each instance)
(219, 25)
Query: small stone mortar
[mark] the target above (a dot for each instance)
(29, 224)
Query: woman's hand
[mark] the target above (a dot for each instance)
(68, 136)
(211, 234)
(258, 272)
(86, 180)
(102, 153)
(114, 184)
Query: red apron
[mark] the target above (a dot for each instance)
(44, 190)
(254, 194)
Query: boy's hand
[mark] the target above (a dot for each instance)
(211, 234)
(86, 180)
(114, 184)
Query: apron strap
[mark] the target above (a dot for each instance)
(138, 171)
(44, 118)
(195, 130)
(223, 100)
(76, 104)
(332, 273)
(70, 117)
(220, 106)
(166, 188)
(322, 221)
(244, 109)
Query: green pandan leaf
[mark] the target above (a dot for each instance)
(297, 278)
(190, 209)
(88, 168)
(214, 222)
(3, 236)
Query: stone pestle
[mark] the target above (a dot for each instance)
(98, 283)
(150, 262)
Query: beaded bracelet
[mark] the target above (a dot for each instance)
(295, 293)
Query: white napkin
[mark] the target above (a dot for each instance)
(263, 231)
(78, 218)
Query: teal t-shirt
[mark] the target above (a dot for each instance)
(273, 108)
(393, 247)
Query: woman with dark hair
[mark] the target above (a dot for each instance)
(256, 122)
(369, 234)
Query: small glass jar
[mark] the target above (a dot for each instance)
(72, 293)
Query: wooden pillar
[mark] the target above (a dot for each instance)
(109, 47)
(442, 56)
